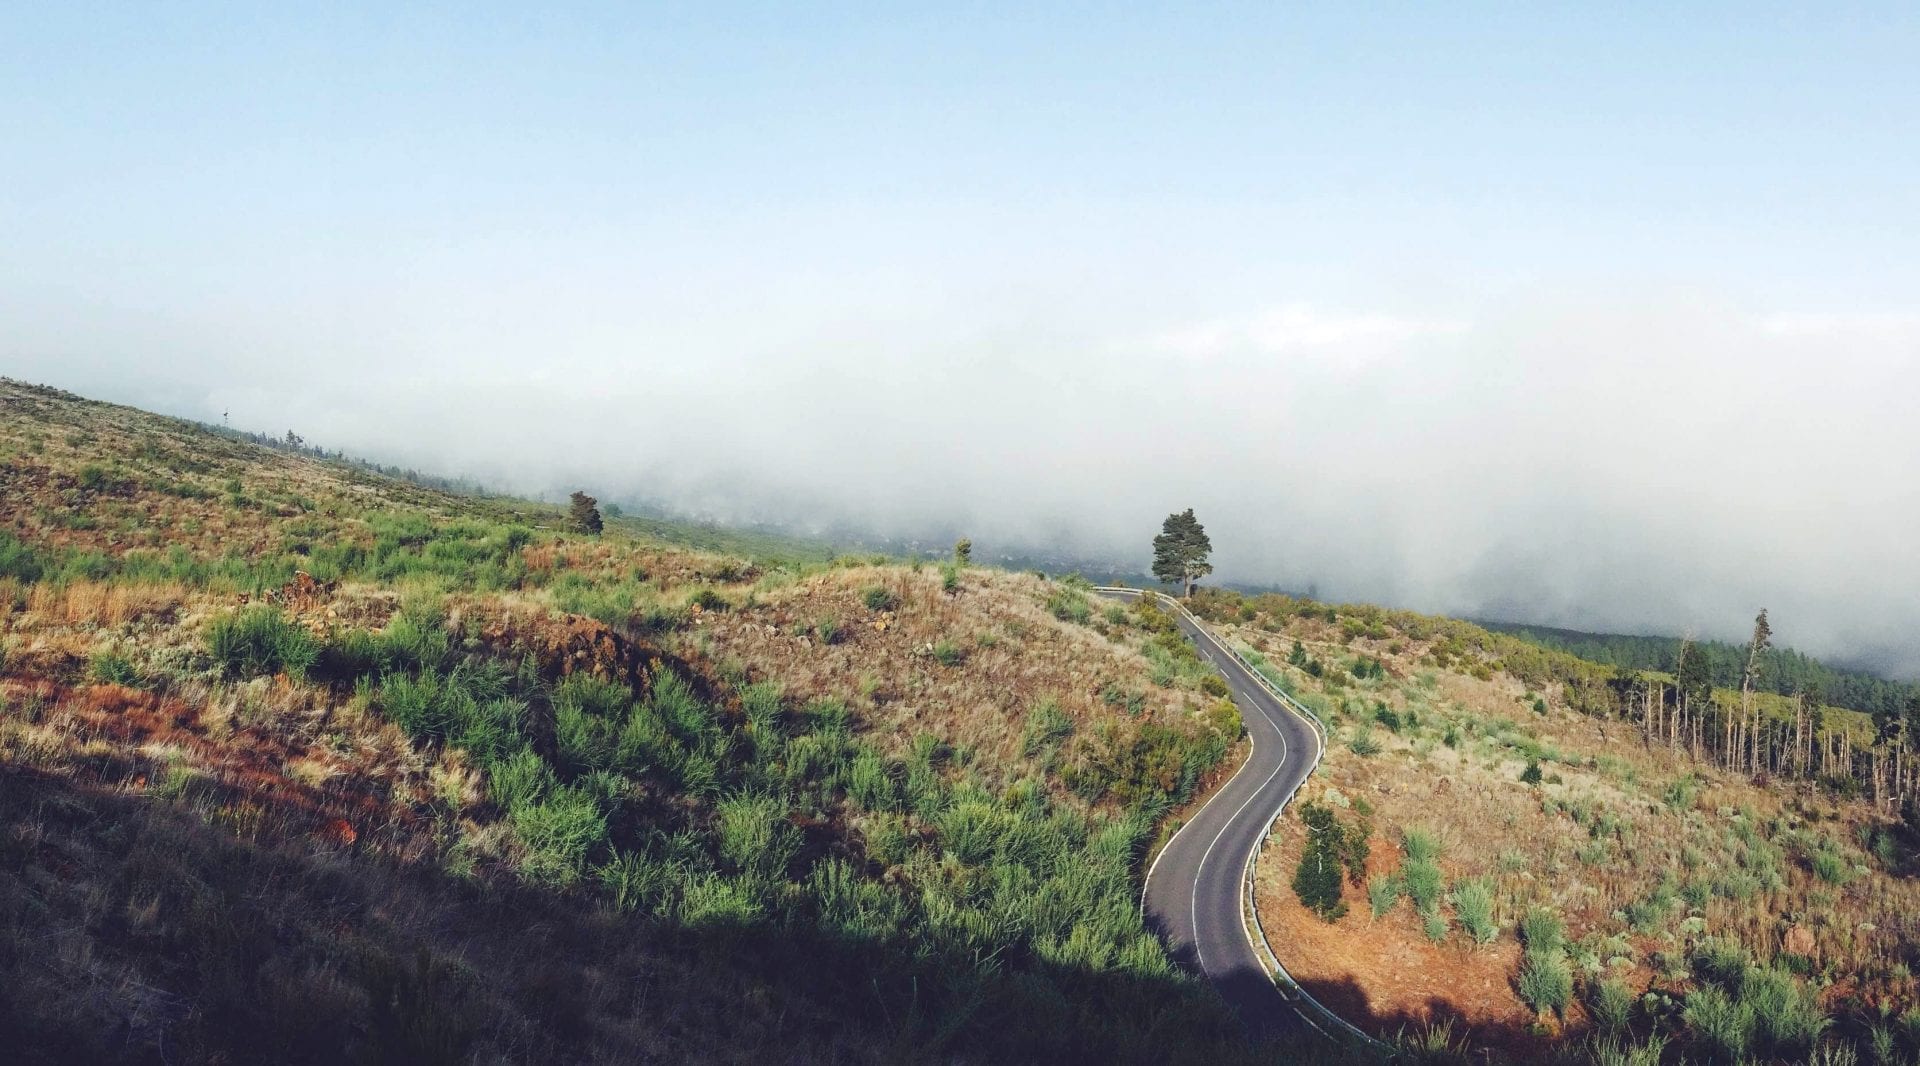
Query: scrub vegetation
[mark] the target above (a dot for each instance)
(304, 761)
(1572, 875)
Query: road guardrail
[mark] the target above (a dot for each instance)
(1255, 932)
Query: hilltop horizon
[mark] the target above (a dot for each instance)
(1017, 555)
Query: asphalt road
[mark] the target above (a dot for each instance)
(1195, 887)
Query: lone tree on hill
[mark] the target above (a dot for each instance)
(583, 514)
(1180, 551)
(962, 552)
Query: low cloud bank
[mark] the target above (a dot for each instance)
(1661, 463)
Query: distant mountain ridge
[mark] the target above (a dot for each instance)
(1786, 672)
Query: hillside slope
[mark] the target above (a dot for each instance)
(299, 762)
(1544, 866)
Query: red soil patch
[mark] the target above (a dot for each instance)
(249, 767)
(564, 644)
(1385, 976)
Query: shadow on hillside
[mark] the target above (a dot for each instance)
(1346, 998)
(132, 930)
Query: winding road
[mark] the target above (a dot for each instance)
(1196, 888)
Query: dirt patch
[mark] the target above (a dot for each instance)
(141, 742)
(1384, 975)
(561, 644)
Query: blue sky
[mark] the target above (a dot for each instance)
(1769, 151)
(1469, 308)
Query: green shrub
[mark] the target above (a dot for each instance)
(1473, 905)
(879, 598)
(1531, 775)
(1697, 893)
(19, 561)
(969, 831)
(1720, 1024)
(1424, 884)
(1356, 842)
(556, 836)
(1830, 867)
(1649, 916)
(1542, 930)
(947, 653)
(414, 640)
(589, 717)
(614, 602)
(872, 784)
(1141, 763)
(1546, 982)
(755, 836)
(418, 704)
(1364, 745)
(635, 881)
(1736, 885)
(261, 640)
(1722, 962)
(519, 781)
(660, 617)
(708, 600)
(1215, 685)
(1787, 1017)
(1420, 844)
(1881, 1048)
(1069, 604)
(762, 704)
(1434, 925)
(710, 901)
(827, 715)
(887, 842)
(1047, 727)
(1612, 1005)
(1382, 893)
(1681, 794)
(351, 654)
(110, 668)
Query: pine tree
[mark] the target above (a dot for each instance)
(1180, 551)
(583, 514)
(1893, 726)
(1749, 680)
(1693, 685)
(1317, 879)
(962, 552)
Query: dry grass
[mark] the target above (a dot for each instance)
(1613, 821)
(1013, 655)
(102, 603)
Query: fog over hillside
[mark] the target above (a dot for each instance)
(1663, 465)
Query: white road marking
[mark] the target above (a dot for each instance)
(1213, 649)
(1200, 870)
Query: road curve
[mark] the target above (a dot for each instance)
(1197, 885)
